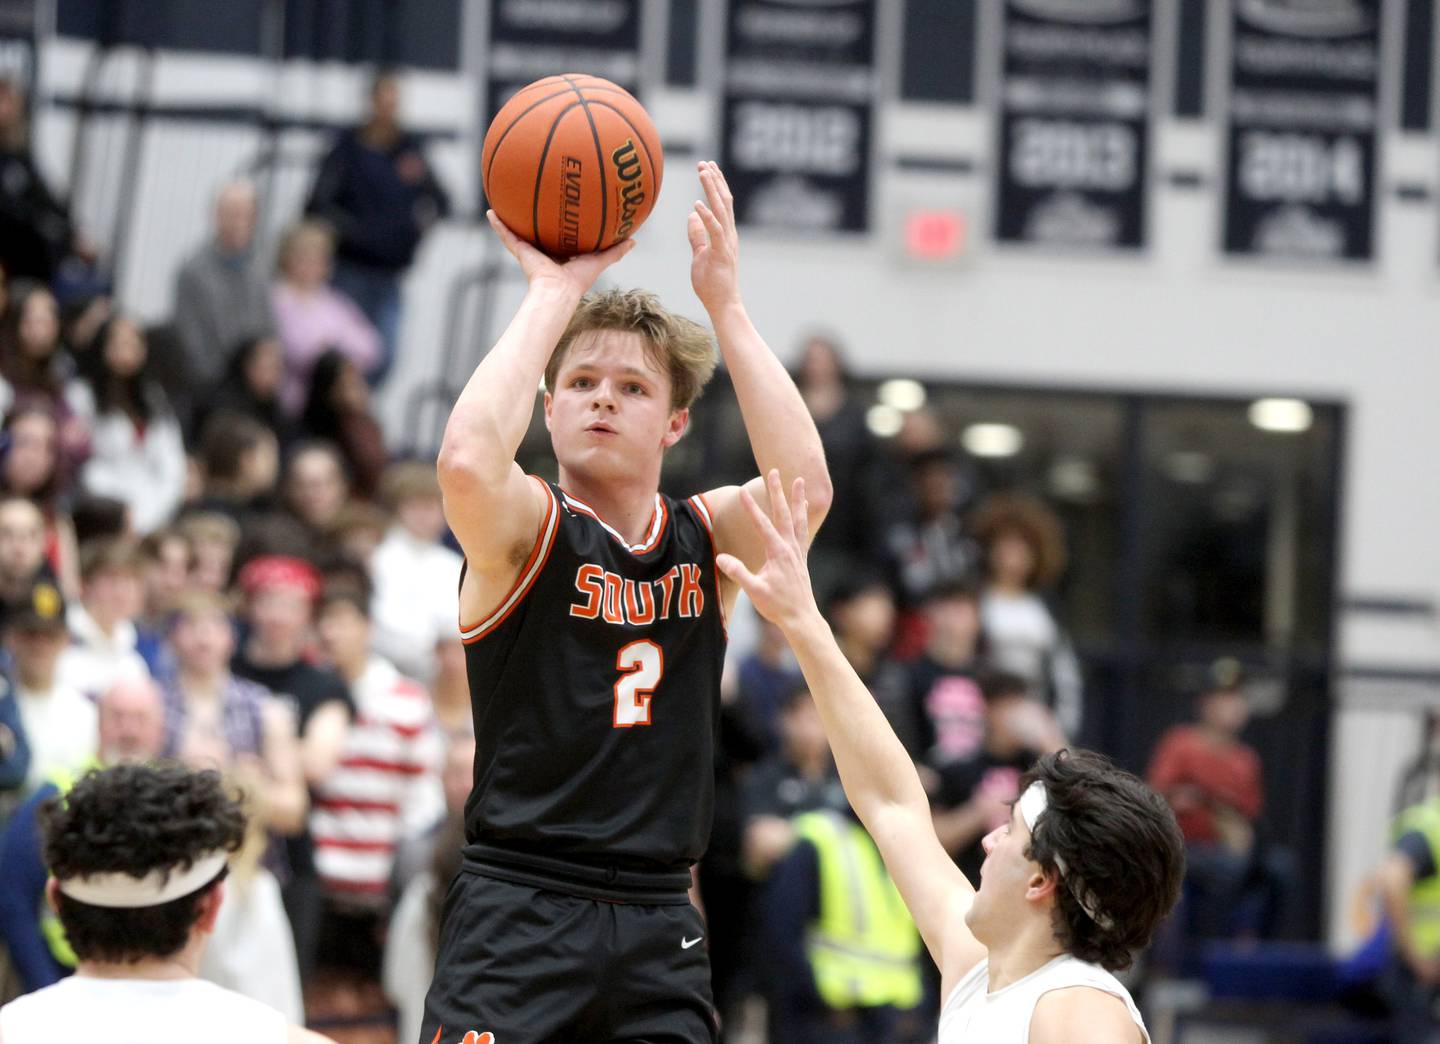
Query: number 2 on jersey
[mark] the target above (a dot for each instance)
(641, 665)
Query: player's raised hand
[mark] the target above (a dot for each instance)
(576, 274)
(780, 590)
(714, 242)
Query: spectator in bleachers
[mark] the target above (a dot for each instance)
(212, 539)
(31, 468)
(313, 317)
(131, 728)
(929, 546)
(799, 777)
(102, 627)
(1213, 781)
(1023, 556)
(861, 609)
(280, 593)
(338, 411)
(416, 577)
(165, 571)
(59, 721)
(214, 719)
(1410, 890)
(221, 297)
(34, 365)
(241, 460)
(386, 787)
(250, 386)
(316, 487)
(137, 454)
(850, 452)
(378, 191)
(356, 530)
(843, 949)
(973, 795)
(763, 681)
(22, 553)
(415, 927)
(940, 716)
(35, 229)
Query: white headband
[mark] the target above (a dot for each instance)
(1033, 804)
(125, 892)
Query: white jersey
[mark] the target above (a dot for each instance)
(973, 1013)
(82, 1010)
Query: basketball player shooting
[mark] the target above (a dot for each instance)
(593, 621)
(1072, 886)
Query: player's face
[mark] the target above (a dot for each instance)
(609, 415)
(1006, 877)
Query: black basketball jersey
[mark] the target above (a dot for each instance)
(595, 687)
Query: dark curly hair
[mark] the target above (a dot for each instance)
(1121, 846)
(135, 819)
(1033, 522)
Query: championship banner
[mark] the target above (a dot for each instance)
(17, 43)
(1074, 123)
(531, 39)
(1304, 109)
(798, 113)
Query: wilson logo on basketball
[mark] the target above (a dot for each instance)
(632, 190)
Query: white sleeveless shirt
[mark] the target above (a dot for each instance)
(973, 1013)
(82, 1010)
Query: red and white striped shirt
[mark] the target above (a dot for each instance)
(386, 787)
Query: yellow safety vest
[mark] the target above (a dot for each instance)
(863, 946)
(1424, 819)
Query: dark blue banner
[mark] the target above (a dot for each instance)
(532, 39)
(1304, 113)
(799, 112)
(1073, 162)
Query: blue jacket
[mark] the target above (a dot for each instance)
(22, 869)
(14, 748)
(379, 202)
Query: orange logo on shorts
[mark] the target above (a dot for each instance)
(470, 1038)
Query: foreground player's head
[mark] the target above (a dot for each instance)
(136, 854)
(626, 360)
(1090, 853)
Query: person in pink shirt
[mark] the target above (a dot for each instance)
(311, 316)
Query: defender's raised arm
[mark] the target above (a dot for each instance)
(879, 778)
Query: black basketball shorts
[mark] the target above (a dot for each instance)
(521, 965)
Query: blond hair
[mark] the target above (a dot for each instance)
(311, 229)
(678, 346)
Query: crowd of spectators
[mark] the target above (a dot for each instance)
(207, 553)
(230, 568)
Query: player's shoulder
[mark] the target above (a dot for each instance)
(1083, 1014)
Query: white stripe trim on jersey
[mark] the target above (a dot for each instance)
(699, 502)
(537, 562)
(703, 510)
(657, 522)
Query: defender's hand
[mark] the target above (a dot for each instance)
(576, 274)
(781, 589)
(714, 242)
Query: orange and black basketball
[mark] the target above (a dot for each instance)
(572, 163)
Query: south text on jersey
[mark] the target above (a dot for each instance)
(618, 600)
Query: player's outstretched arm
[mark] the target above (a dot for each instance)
(490, 505)
(880, 781)
(782, 433)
